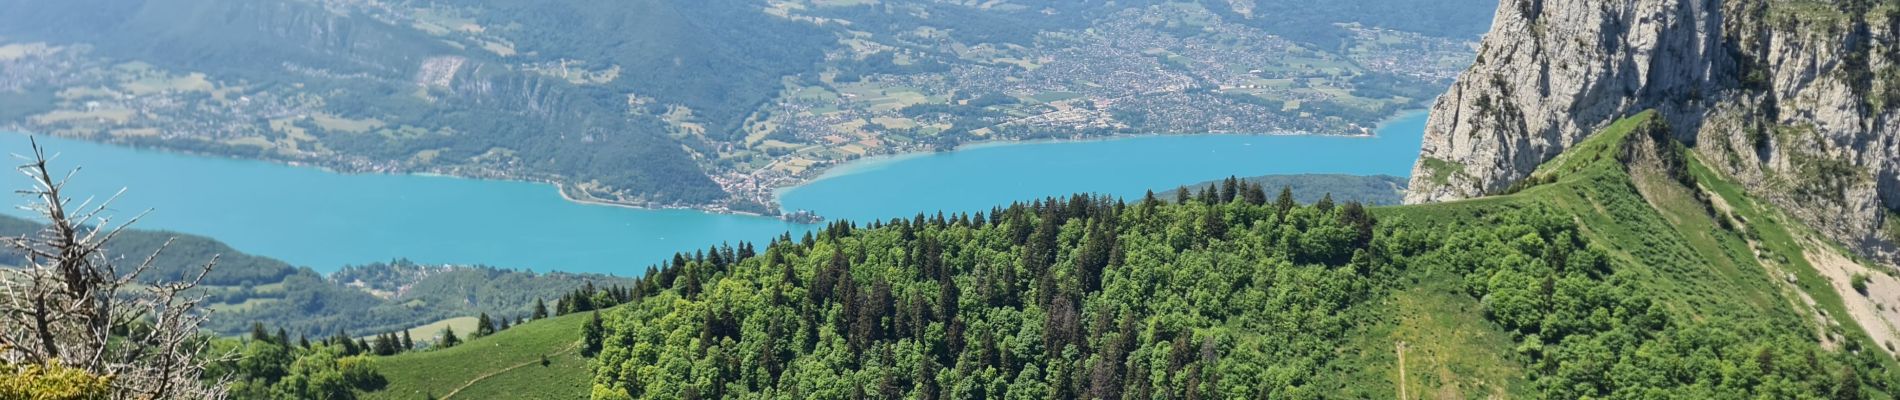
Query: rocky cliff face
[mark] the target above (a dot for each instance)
(1791, 97)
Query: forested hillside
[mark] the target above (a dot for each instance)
(1624, 270)
(245, 289)
(384, 96)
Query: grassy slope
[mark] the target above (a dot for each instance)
(1451, 350)
(1655, 229)
(503, 365)
(1776, 235)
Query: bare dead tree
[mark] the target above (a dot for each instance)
(69, 302)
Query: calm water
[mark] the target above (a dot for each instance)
(979, 178)
(325, 220)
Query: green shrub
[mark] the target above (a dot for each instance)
(37, 382)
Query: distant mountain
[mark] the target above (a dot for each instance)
(381, 297)
(704, 104)
(358, 87)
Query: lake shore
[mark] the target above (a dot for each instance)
(820, 173)
(874, 162)
(318, 216)
(979, 176)
(583, 198)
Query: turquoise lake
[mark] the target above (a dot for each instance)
(325, 220)
(980, 177)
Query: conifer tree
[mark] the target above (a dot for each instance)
(1356, 216)
(448, 338)
(407, 343)
(1229, 189)
(484, 326)
(1285, 203)
(540, 309)
(342, 339)
(383, 346)
(258, 334)
(583, 299)
(593, 336)
(1214, 225)
(1255, 194)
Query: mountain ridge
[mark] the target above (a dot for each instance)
(1791, 98)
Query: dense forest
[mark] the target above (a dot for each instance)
(1229, 295)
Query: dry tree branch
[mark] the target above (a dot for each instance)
(68, 298)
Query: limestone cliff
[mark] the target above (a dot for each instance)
(1792, 97)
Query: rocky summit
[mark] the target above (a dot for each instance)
(1793, 98)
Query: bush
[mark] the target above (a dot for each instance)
(50, 382)
(1859, 282)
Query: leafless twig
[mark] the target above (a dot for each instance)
(73, 306)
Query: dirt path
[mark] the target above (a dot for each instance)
(492, 374)
(1401, 347)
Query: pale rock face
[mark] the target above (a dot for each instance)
(1549, 73)
(1770, 96)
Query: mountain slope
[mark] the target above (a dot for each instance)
(354, 91)
(1793, 99)
(374, 298)
(1610, 274)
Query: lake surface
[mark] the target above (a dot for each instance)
(326, 220)
(980, 177)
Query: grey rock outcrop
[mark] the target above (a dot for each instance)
(1792, 99)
